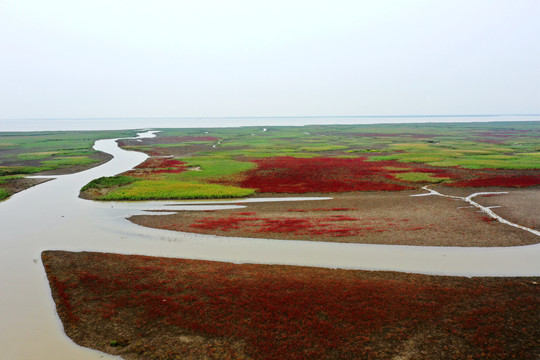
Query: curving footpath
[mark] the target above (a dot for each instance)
(51, 216)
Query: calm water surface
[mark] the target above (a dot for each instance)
(140, 123)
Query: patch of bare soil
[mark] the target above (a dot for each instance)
(364, 217)
(158, 308)
(13, 186)
(521, 206)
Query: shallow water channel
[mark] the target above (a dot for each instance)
(51, 216)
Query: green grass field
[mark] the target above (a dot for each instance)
(169, 189)
(420, 177)
(211, 167)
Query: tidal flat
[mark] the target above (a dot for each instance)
(365, 218)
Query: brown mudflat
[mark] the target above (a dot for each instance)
(394, 218)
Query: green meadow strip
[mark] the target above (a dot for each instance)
(167, 190)
(211, 168)
(66, 161)
(420, 177)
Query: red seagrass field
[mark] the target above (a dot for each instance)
(156, 308)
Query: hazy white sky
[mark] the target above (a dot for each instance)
(112, 58)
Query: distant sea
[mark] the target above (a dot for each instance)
(207, 122)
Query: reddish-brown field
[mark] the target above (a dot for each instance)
(388, 217)
(511, 181)
(335, 175)
(300, 175)
(157, 308)
(157, 165)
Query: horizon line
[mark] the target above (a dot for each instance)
(274, 117)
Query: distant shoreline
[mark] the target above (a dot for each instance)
(90, 124)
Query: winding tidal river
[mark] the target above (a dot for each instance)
(51, 216)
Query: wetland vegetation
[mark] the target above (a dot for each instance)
(47, 152)
(148, 307)
(331, 158)
(156, 308)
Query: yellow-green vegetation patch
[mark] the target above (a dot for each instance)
(411, 146)
(3, 194)
(182, 144)
(36, 155)
(108, 182)
(420, 177)
(395, 168)
(517, 161)
(14, 170)
(463, 154)
(408, 158)
(362, 151)
(474, 152)
(255, 153)
(168, 190)
(211, 168)
(323, 148)
(385, 157)
(76, 152)
(422, 158)
(5, 178)
(535, 155)
(260, 154)
(67, 161)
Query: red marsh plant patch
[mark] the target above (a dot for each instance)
(158, 165)
(331, 226)
(503, 181)
(294, 313)
(302, 175)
